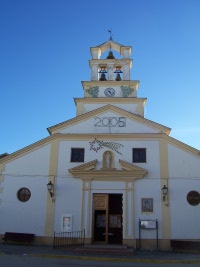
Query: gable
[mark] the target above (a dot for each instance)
(108, 119)
(89, 171)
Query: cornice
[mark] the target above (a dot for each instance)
(113, 100)
(128, 166)
(107, 175)
(111, 83)
(182, 145)
(113, 61)
(87, 171)
(86, 166)
(26, 150)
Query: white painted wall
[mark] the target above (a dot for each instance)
(88, 126)
(184, 173)
(132, 108)
(184, 217)
(35, 162)
(29, 171)
(147, 188)
(68, 201)
(152, 149)
(24, 217)
(183, 164)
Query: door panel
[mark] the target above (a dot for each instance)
(107, 218)
(100, 226)
(115, 219)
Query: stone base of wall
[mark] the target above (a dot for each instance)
(144, 244)
(152, 244)
(38, 241)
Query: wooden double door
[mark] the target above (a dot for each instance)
(107, 218)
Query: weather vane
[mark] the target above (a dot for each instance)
(111, 34)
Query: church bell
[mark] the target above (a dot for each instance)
(103, 74)
(110, 55)
(118, 77)
(103, 77)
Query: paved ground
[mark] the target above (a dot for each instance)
(138, 256)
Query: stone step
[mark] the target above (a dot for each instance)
(104, 250)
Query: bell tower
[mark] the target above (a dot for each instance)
(110, 82)
(110, 68)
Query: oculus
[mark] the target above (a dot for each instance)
(193, 198)
(23, 194)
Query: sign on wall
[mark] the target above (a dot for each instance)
(66, 223)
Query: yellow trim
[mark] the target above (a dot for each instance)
(86, 187)
(129, 171)
(110, 43)
(114, 61)
(106, 100)
(129, 190)
(50, 206)
(164, 174)
(89, 84)
(2, 167)
(26, 150)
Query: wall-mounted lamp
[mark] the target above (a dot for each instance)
(50, 188)
(165, 192)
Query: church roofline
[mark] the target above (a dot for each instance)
(108, 107)
(110, 44)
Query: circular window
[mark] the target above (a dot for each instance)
(23, 194)
(193, 198)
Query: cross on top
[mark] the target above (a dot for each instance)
(111, 34)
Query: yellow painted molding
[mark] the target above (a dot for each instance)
(87, 170)
(110, 43)
(50, 206)
(2, 167)
(105, 100)
(114, 61)
(164, 173)
(86, 166)
(1, 189)
(182, 145)
(128, 166)
(87, 184)
(129, 185)
(27, 149)
(1, 178)
(88, 84)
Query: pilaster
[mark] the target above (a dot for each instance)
(164, 175)
(50, 206)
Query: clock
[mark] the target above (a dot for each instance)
(110, 92)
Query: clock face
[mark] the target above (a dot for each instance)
(110, 92)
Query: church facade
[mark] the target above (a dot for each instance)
(109, 170)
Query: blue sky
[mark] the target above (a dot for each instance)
(44, 53)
